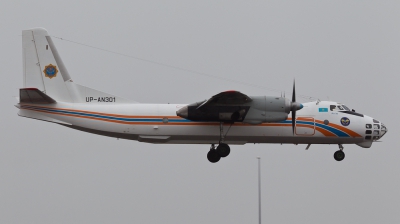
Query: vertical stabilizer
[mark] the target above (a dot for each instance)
(43, 67)
(45, 71)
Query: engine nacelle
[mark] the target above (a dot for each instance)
(267, 109)
(261, 109)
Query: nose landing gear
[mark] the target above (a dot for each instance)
(339, 155)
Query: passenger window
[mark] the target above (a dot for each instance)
(376, 126)
(368, 126)
(333, 107)
(376, 132)
(368, 132)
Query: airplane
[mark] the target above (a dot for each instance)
(229, 117)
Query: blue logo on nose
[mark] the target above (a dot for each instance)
(345, 121)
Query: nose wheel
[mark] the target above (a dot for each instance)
(339, 155)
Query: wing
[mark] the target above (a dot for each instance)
(234, 106)
(226, 106)
(230, 97)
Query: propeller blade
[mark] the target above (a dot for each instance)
(293, 108)
(293, 120)
(294, 92)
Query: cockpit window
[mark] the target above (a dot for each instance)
(346, 108)
(339, 107)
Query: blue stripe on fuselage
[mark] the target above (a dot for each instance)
(328, 128)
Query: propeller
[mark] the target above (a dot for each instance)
(294, 106)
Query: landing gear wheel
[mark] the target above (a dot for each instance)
(213, 156)
(339, 155)
(223, 150)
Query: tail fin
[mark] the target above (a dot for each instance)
(44, 70)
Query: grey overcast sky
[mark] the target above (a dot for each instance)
(346, 51)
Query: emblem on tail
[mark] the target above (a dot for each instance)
(50, 71)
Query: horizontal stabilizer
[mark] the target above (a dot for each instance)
(33, 95)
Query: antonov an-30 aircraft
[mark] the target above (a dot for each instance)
(230, 117)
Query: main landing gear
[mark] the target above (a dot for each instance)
(215, 154)
(339, 155)
(222, 150)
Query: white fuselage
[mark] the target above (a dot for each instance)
(316, 123)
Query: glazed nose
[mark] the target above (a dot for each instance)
(384, 130)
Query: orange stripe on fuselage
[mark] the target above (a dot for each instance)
(346, 130)
(105, 114)
(321, 130)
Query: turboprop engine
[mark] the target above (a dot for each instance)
(232, 106)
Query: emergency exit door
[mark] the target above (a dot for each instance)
(305, 126)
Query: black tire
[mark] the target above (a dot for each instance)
(339, 155)
(223, 150)
(235, 116)
(213, 156)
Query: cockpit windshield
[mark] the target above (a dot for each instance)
(339, 107)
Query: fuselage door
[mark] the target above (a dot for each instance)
(305, 126)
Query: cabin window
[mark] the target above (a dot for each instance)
(165, 120)
(376, 132)
(368, 132)
(367, 137)
(375, 121)
(340, 107)
(368, 126)
(333, 107)
(376, 126)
